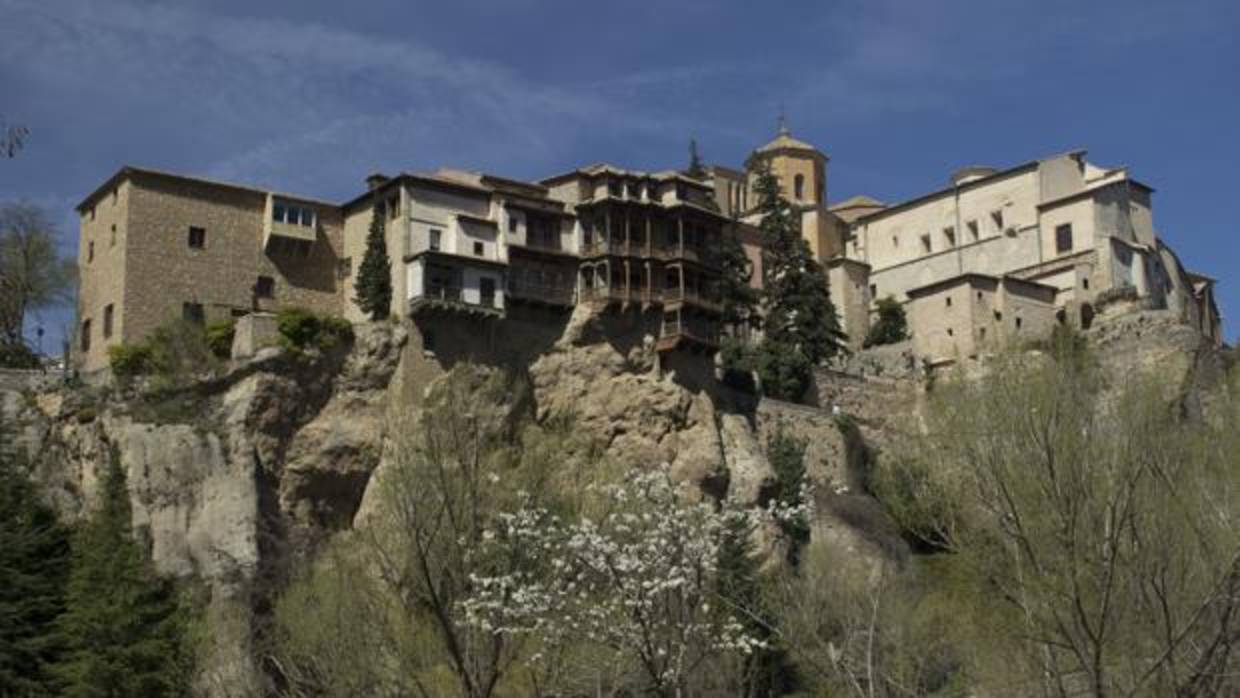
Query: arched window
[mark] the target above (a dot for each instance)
(798, 187)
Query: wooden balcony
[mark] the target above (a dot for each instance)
(541, 293)
(690, 296)
(696, 332)
(451, 299)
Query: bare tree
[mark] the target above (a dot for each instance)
(12, 138)
(33, 274)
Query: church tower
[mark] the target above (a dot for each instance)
(800, 167)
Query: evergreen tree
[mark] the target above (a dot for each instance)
(696, 169)
(787, 456)
(34, 563)
(374, 278)
(891, 326)
(122, 628)
(768, 671)
(740, 300)
(800, 327)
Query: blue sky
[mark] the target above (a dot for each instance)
(311, 96)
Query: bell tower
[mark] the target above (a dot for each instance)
(800, 167)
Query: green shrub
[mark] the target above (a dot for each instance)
(17, 355)
(891, 326)
(130, 359)
(301, 329)
(220, 337)
(180, 349)
(785, 371)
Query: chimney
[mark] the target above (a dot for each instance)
(375, 181)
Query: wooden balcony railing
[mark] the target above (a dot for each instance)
(451, 295)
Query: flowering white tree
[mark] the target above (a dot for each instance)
(640, 581)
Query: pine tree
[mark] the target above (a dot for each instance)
(374, 278)
(122, 628)
(696, 169)
(768, 671)
(800, 328)
(34, 563)
(740, 300)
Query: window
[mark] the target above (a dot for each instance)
(107, 321)
(192, 312)
(949, 301)
(345, 267)
(486, 290)
(981, 333)
(479, 249)
(998, 316)
(949, 235)
(613, 187)
(197, 238)
(90, 251)
(979, 295)
(112, 239)
(798, 187)
(92, 213)
(1063, 238)
(512, 224)
(433, 242)
(85, 338)
(265, 287)
(277, 213)
(996, 217)
(115, 194)
(393, 207)
(974, 233)
(428, 341)
(895, 240)
(1085, 283)
(1018, 323)
(950, 333)
(925, 243)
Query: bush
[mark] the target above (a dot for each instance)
(785, 371)
(891, 327)
(130, 359)
(17, 355)
(220, 337)
(301, 329)
(738, 359)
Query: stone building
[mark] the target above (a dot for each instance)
(155, 246)
(1046, 238)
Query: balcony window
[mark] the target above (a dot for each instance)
(277, 213)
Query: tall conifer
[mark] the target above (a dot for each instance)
(374, 278)
(123, 630)
(800, 326)
(34, 563)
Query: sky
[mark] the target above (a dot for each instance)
(311, 96)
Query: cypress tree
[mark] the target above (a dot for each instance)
(891, 326)
(122, 628)
(34, 564)
(696, 169)
(740, 300)
(800, 328)
(374, 278)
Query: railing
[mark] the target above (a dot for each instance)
(561, 295)
(693, 296)
(699, 330)
(453, 295)
(618, 293)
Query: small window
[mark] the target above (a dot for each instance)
(998, 316)
(996, 217)
(277, 213)
(613, 187)
(873, 291)
(112, 239)
(1063, 238)
(197, 238)
(433, 241)
(981, 333)
(949, 301)
(393, 205)
(979, 295)
(115, 194)
(85, 338)
(479, 249)
(950, 333)
(949, 236)
(1085, 283)
(107, 321)
(307, 217)
(895, 240)
(512, 224)
(798, 186)
(265, 287)
(90, 251)
(193, 312)
(92, 213)
(1018, 323)
(925, 243)
(345, 268)
(974, 232)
